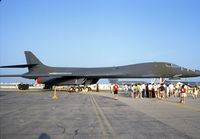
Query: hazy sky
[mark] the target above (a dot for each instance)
(95, 33)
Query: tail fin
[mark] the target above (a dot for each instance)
(31, 59)
(33, 63)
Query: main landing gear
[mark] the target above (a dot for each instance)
(79, 89)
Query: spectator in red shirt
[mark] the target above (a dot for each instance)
(116, 89)
(183, 94)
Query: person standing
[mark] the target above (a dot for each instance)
(171, 90)
(143, 90)
(116, 89)
(150, 89)
(132, 91)
(183, 94)
(135, 91)
(162, 91)
(140, 91)
(195, 92)
(179, 90)
(126, 88)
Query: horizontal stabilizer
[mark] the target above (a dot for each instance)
(19, 66)
(11, 75)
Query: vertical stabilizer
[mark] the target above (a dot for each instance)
(31, 59)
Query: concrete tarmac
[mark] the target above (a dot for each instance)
(33, 115)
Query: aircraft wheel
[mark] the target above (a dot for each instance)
(71, 89)
(88, 89)
(77, 89)
(80, 89)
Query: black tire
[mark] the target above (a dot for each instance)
(77, 89)
(89, 89)
(71, 89)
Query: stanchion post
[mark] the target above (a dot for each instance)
(54, 97)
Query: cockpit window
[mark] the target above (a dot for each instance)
(116, 68)
(176, 66)
(172, 65)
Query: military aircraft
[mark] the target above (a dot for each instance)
(51, 76)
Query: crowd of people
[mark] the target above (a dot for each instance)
(158, 90)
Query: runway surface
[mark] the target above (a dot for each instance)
(33, 115)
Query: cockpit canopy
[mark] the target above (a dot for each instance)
(172, 65)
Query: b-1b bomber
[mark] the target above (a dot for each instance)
(55, 76)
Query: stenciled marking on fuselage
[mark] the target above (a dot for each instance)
(54, 73)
